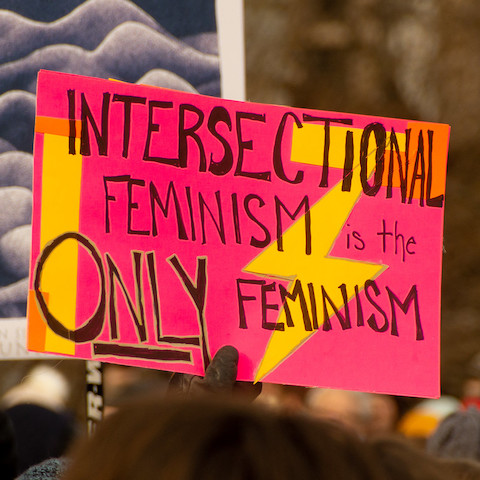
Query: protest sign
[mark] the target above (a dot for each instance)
(167, 224)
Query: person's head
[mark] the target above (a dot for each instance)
(205, 440)
(384, 414)
(457, 436)
(420, 422)
(461, 469)
(8, 453)
(351, 409)
(403, 460)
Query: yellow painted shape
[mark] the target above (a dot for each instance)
(328, 216)
(308, 143)
(61, 180)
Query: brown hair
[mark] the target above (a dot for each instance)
(462, 469)
(209, 440)
(401, 459)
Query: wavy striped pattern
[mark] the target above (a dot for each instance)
(137, 42)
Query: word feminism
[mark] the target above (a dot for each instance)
(380, 321)
(236, 134)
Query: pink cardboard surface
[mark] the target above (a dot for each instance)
(168, 224)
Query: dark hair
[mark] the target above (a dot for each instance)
(212, 440)
(457, 436)
(462, 469)
(402, 460)
(8, 453)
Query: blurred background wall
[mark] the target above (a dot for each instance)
(414, 59)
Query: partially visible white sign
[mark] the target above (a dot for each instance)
(231, 48)
(13, 334)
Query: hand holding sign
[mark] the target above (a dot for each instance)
(220, 378)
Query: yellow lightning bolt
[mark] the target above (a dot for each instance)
(328, 216)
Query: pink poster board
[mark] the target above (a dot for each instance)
(168, 224)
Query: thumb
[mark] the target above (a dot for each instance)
(221, 374)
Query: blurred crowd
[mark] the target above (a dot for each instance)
(180, 427)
